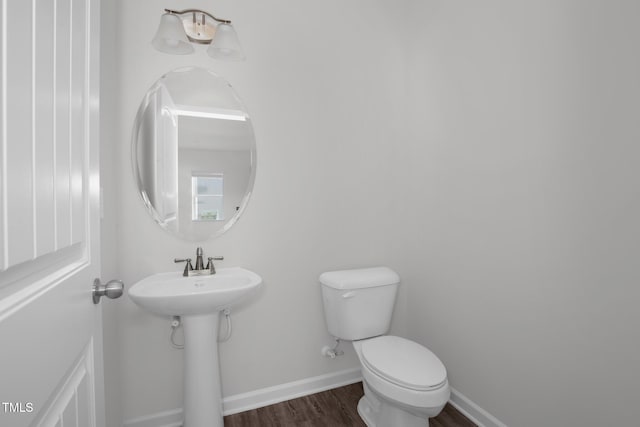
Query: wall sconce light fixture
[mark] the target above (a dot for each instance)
(179, 29)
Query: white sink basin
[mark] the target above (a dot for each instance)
(174, 294)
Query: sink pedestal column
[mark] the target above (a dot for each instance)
(202, 390)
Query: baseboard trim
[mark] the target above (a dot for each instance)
(472, 411)
(258, 398)
(280, 393)
(171, 418)
(292, 390)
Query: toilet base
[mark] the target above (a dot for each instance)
(377, 412)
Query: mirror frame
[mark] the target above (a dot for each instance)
(136, 169)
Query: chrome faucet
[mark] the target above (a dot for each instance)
(200, 269)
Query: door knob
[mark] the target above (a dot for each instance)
(112, 289)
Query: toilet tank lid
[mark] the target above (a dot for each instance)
(360, 278)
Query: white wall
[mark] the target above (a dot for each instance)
(521, 235)
(323, 86)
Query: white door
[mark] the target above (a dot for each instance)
(50, 339)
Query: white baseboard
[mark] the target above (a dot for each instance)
(258, 398)
(171, 418)
(276, 394)
(280, 393)
(472, 411)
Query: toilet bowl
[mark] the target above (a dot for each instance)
(405, 384)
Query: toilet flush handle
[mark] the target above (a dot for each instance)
(349, 294)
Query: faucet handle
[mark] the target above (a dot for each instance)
(210, 266)
(187, 268)
(213, 258)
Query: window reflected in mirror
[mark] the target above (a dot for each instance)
(208, 196)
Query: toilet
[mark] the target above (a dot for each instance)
(405, 384)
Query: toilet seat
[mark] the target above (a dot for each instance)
(404, 363)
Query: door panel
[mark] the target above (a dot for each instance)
(42, 344)
(44, 130)
(50, 330)
(62, 82)
(18, 165)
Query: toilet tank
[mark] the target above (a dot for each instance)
(358, 304)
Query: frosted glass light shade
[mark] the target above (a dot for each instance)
(170, 37)
(225, 44)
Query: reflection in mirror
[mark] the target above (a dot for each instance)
(193, 153)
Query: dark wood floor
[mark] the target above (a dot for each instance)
(332, 408)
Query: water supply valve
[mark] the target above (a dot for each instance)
(332, 352)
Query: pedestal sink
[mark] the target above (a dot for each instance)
(198, 301)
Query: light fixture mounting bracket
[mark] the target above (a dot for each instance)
(196, 27)
(182, 12)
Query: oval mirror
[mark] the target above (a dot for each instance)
(194, 153)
